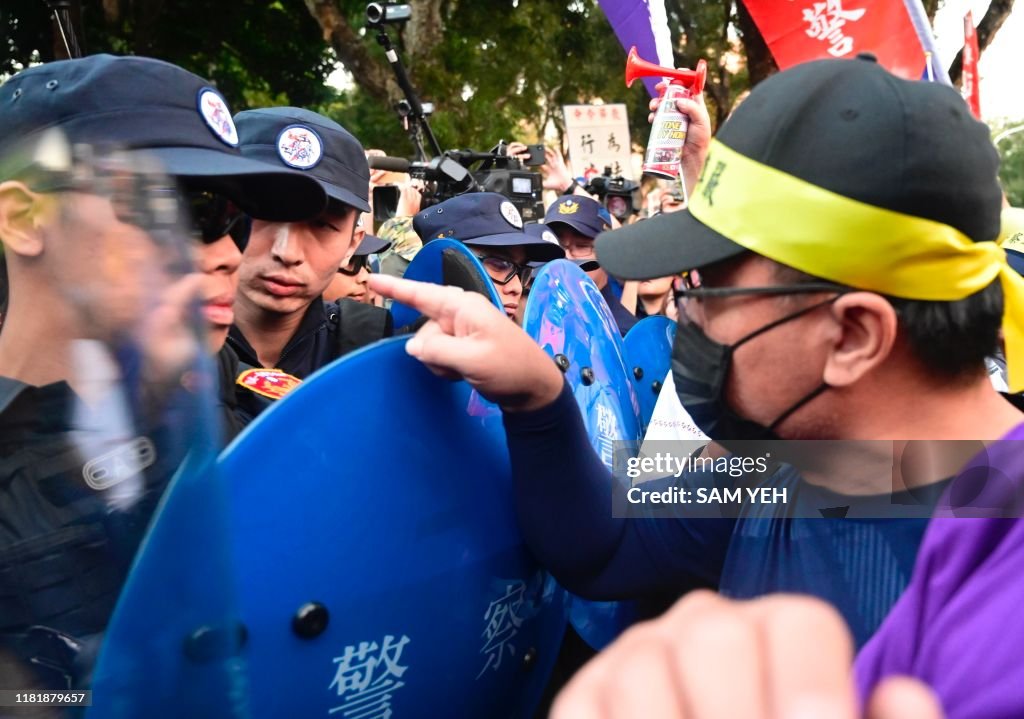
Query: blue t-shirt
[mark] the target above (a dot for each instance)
(564, 499)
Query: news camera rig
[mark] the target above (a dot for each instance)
(617, 194)
(446, 173)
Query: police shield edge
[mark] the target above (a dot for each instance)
(386, 576)
(445, 262)
(567, 316)
(648, 349)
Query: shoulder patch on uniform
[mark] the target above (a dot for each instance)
(272, 383)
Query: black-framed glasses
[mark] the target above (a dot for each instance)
(213, 216)
(690, 286)
(505, 268)
(355, 265)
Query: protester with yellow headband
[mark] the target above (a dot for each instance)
(840, 279)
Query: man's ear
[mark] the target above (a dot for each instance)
(22, 211)
(868, 328)
(357, 237)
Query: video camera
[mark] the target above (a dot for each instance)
(617, 194)
(456, 172)
(452, 172)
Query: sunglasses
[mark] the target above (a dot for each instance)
(213, 216)
(505, 268)
(355, 265)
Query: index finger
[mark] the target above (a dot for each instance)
(431, 300)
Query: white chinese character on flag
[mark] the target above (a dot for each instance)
(826, 21)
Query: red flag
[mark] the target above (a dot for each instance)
(969, 88)
(802, 30)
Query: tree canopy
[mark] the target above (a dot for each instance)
(494, 70)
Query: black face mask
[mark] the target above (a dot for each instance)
(700, 367)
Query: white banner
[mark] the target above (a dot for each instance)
(598, 137)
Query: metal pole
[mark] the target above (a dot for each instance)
(1006, 133)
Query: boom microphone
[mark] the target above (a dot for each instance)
(391, 164)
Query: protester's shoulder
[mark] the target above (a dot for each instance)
(403, 238)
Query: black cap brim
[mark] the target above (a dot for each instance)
(585, 229)
(339, 194)
(264, 193)
(371, 245)
(661, 246)
(536, 248)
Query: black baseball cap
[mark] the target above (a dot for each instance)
(485, 219)
(583, 214)
(852, 128)
(309, 144)
(137, 103)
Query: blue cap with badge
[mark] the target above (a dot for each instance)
(309, 144)
(486, 219)
(136, 103)
(584, 214)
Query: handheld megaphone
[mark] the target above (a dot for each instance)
(668, 132)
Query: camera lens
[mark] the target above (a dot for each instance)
(374, 13)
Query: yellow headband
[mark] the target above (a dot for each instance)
(822, 233)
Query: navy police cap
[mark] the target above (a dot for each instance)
(486, 219)
(308, 143)
(584, 214)
(137, 103)
(371, 245)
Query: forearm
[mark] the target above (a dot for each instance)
(564, 501)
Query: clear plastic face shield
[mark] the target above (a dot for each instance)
(109, 508)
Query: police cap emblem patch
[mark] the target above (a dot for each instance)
(568, 207)
(511, 214)
(298, 146)
(217, 116)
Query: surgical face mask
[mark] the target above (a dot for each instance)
(700, 369)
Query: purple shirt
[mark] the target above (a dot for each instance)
(959, 626)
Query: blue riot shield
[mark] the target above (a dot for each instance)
(445, 262)
(648, 348)
(380, 567)
(567, 316)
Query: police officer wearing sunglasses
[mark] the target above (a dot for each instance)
(284, 331)
(87, 234)
(350, 280)
(491, 226)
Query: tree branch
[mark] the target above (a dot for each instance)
(370, 74)
(995, 16)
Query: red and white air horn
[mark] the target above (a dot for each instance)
(668, 133)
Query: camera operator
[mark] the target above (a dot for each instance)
(554, 170)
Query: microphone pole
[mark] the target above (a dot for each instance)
(63, 12)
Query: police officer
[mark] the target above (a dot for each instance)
(97, 348)
(350, 280)
(577, 220)
(284, 331)
(491, 226)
